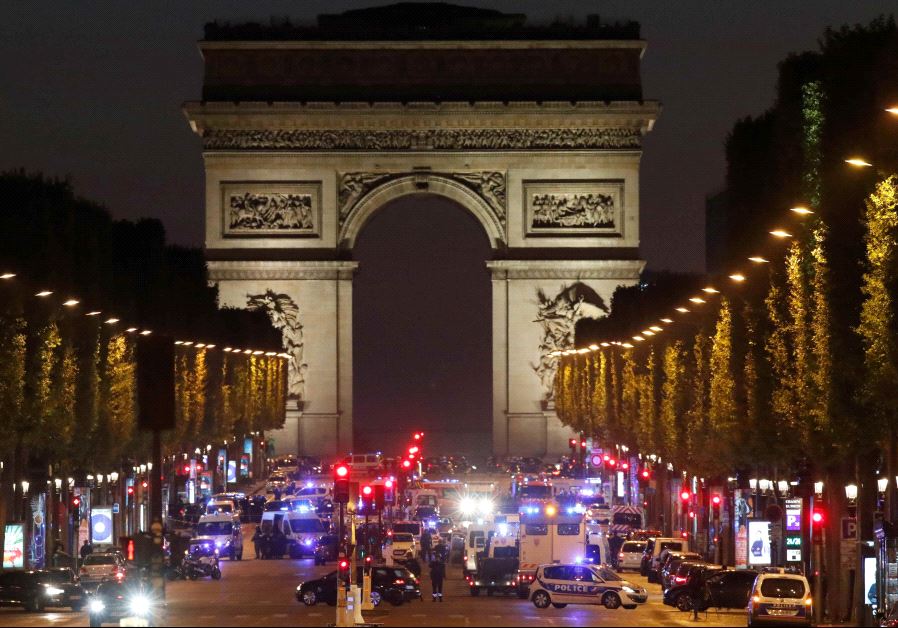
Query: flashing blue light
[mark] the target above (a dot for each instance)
(571, 510)
(307, 542)
(578, 560)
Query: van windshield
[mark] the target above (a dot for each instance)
(214, 528)
(537, 491)
(632, 519)
(411, 528)
(403, 538)
(306, 525)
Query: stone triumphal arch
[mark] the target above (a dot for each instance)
(536, 131)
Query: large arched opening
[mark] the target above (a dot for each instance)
(422, 328)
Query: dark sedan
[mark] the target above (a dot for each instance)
(30, 590)
(116, 600)
(65, 580)
(393, 584)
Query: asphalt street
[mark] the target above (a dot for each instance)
(261, 593)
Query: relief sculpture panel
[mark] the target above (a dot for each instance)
(573, 208)
(271, 209)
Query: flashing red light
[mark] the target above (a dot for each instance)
(625, 466)
(692, 515)
(685, 535)
(716, 500)
(145, 484)
(606, 457)
(389, 483)
(646, 474)
(406, 464)
(76, 501)
(367, 490)
(341, 471)
(344, 564)
(572, 442)
(612, 462)
(413, 450)
(583, 444)
(186, 468)
(685, 495)
(817, 517)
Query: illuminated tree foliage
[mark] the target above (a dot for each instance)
(879, 319)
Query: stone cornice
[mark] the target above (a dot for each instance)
(474, 44)
(566, 269)
(272, 271)
(420, 116)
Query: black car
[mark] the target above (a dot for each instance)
(672, 563)
(424, 513)
(116, 599)
(28, 589)
(323, 589)
(716, 588)
(689, 579)
(64, 579)
(730, 588)
(393, 584)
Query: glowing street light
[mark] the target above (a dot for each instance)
(682, 310)
(71, 303)
(779, 233)
(757, 259)
(737, 277)
(857, 162)
(638, 338)
(7, 275)
(697, 300)
(710, 290)
(648, 332)
(667, 321)
(111, 321)
(44, 293)
(656, 329)
(803, 211)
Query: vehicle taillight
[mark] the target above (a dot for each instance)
(621, 555)
(399, 581)
(679, 579)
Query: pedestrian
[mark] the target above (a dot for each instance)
(426, 541)
(437, 575)
(257, 542)
(86, 550)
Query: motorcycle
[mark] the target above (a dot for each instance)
(201, 561)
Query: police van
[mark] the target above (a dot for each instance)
(560, 585)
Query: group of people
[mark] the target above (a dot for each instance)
(270, 543)
(435, 557)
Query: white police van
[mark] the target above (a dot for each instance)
(560, 585)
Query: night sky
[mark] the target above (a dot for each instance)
(93, 90)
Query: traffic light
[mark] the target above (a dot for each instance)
(572, 443)
(341, 484)
(685, 496)
(645, 475)
(343, 570)
(715, 506)
(818, 519)
(366, 495)
(406, 464)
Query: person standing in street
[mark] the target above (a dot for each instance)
(86, 550)
(426, 542)
(257, 542)
(437, 575)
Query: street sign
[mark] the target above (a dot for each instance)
(115, 508)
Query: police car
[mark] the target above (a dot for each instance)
(560, 585)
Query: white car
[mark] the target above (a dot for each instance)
(781, 599)
(403, 544)
(560, 585)
(630, 555)
(98, 567)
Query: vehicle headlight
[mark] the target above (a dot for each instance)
(96, 606)
(308, 541)
(140, 605)
(628, 589)
(53, 591)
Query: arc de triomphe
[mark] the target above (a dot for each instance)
(308, 132)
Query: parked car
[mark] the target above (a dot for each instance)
(671, 563)
(780, 598)
(630, 555)
(688, 583)
(728, 588)
(28, 589)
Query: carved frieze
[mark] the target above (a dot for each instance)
(263, 208)
(428, 139)
(489, 185)
(573, 207)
